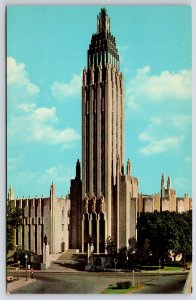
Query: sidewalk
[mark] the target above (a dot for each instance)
(18, 284)
(188, 284)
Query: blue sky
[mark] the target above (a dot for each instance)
(47, 51)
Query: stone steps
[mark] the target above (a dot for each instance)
(69, 260)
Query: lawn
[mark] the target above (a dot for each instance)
(166, 268)
(112, 289)
(172, 268)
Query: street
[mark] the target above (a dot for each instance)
(95, 283)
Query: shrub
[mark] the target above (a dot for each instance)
(123, 284)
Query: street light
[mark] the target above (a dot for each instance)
(16, 253)
(115, 263)
(16, 258)
(26, 257)
(133, 284)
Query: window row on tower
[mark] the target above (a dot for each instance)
(103, 58)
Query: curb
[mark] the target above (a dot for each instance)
(149, 273)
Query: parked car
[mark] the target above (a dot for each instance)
(10, 278)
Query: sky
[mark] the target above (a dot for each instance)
(46, 53)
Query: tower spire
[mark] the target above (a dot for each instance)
(129, 167)
(162, 186)
(103, 21)
(103, 49)
(169, 182)
(11, 193)
(78, 170)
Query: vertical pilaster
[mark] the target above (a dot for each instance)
(84, 112)
(99, 94)
(108, 147)
(122, 130)
(128, 213)
(91, 133)
(113, 125)
(90, 225)
(32, 234)
(26, 226)
(53, 208)
(83, 234)
(26, 236)
(118, 101)
(117, 205)
(98, 233)
(20, 227)
(39, 237)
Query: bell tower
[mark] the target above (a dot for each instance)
(102, 131)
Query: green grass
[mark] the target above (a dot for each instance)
(166, 268)
(172, 268)
(112, 289)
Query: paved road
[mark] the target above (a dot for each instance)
(164, 285)
(94, 283)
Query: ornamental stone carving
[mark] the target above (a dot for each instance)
(85, 204)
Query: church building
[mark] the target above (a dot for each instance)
(104, 200)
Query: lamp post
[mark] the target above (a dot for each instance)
(159, 264)
(127, 257)
(17, 260)
(26, 257)
(16, 253)
(115, 263)
(133, 283)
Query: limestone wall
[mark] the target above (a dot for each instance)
(37, 221)
(128, 188)
(148, 204)
(156, 200)
(183, 203)
(165, 204)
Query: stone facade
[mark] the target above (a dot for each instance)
(166, 200)
(183, 203)
(42, 216)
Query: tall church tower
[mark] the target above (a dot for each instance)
(102, 117)
(108, 197)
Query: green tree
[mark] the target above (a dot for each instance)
(20, 256)
(184, 224)
(14, 219)
(159, 233)
(110, 246)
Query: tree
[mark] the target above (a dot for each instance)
(184, 224)
(14, 219)
(110, 246)
(19, 256)
(160, 233)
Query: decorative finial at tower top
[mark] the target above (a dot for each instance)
(103, 21)
(169, 182)
(129, 167)
(78, 170)
(11, 193)
(163, 180)
(52, 187)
